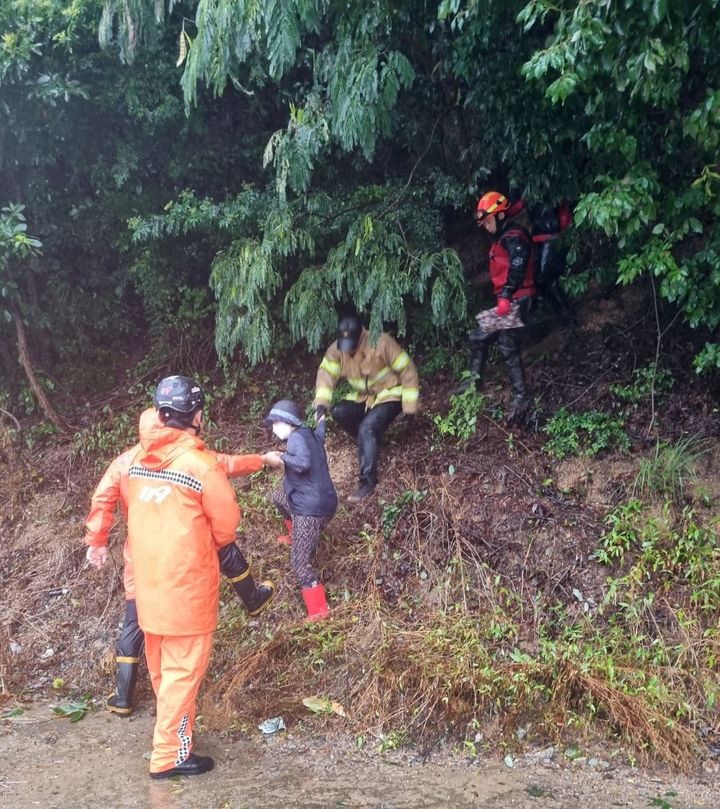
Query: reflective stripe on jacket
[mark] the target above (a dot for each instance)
(113, 490)
(380, 373)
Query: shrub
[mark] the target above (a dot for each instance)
(643, 382)
(108, 437)
(662, 551)
(460, 422)
(586, 433)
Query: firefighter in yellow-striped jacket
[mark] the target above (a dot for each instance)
(384, 383)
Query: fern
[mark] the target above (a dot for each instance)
(244, 280)
(310, 307)
(282, 31)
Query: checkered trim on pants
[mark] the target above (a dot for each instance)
(169, 475)
(185, 741)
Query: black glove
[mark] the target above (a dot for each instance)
(320, 411)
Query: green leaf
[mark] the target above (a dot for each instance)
(74, 711)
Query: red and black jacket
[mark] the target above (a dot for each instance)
(512, 263)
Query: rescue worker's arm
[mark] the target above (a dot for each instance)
(327, 377)
(399, 361)
(518, 249)
(298, 456)
(236, 466)
(220, 506)
(102, 506)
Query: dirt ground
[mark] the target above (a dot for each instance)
(100, 762)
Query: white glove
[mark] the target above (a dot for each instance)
(97, 556)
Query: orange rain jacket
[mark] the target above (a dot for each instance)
(113, 488)
(181, 511)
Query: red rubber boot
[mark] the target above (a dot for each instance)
(316, 602)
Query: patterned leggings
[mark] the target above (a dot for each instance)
(306, 532)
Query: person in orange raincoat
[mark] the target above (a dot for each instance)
(181, 512)
(113, 489)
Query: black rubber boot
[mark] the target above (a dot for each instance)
(365, 489)
(129, 648)
(255, 597)
(509, 343)
(368, 448)
(369, 436)
(480, 342)
(234, 565)
(478, 360)
(120, 702)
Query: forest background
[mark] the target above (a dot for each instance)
(208, 184)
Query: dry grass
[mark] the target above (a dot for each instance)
(449, 620)
(429, 642)
(645, 729)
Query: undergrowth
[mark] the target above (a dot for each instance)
(109, 436)
(584, 433)
(460, 422)
(463, 642)
(644, 382)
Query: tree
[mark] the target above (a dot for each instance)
(16, 250)
(641, 79)
(86, 143)
(23, 89)
(611, 104)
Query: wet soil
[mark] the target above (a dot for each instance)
(101, 762)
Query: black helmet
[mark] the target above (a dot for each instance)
(349, 332)
(286, 411)
(177, 398)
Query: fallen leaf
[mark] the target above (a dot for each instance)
(323, 705)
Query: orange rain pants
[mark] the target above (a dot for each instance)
(177, 665)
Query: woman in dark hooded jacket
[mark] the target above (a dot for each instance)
(307, 500)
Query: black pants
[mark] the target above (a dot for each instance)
(509, 342)
(131, 640)
(368, 426)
